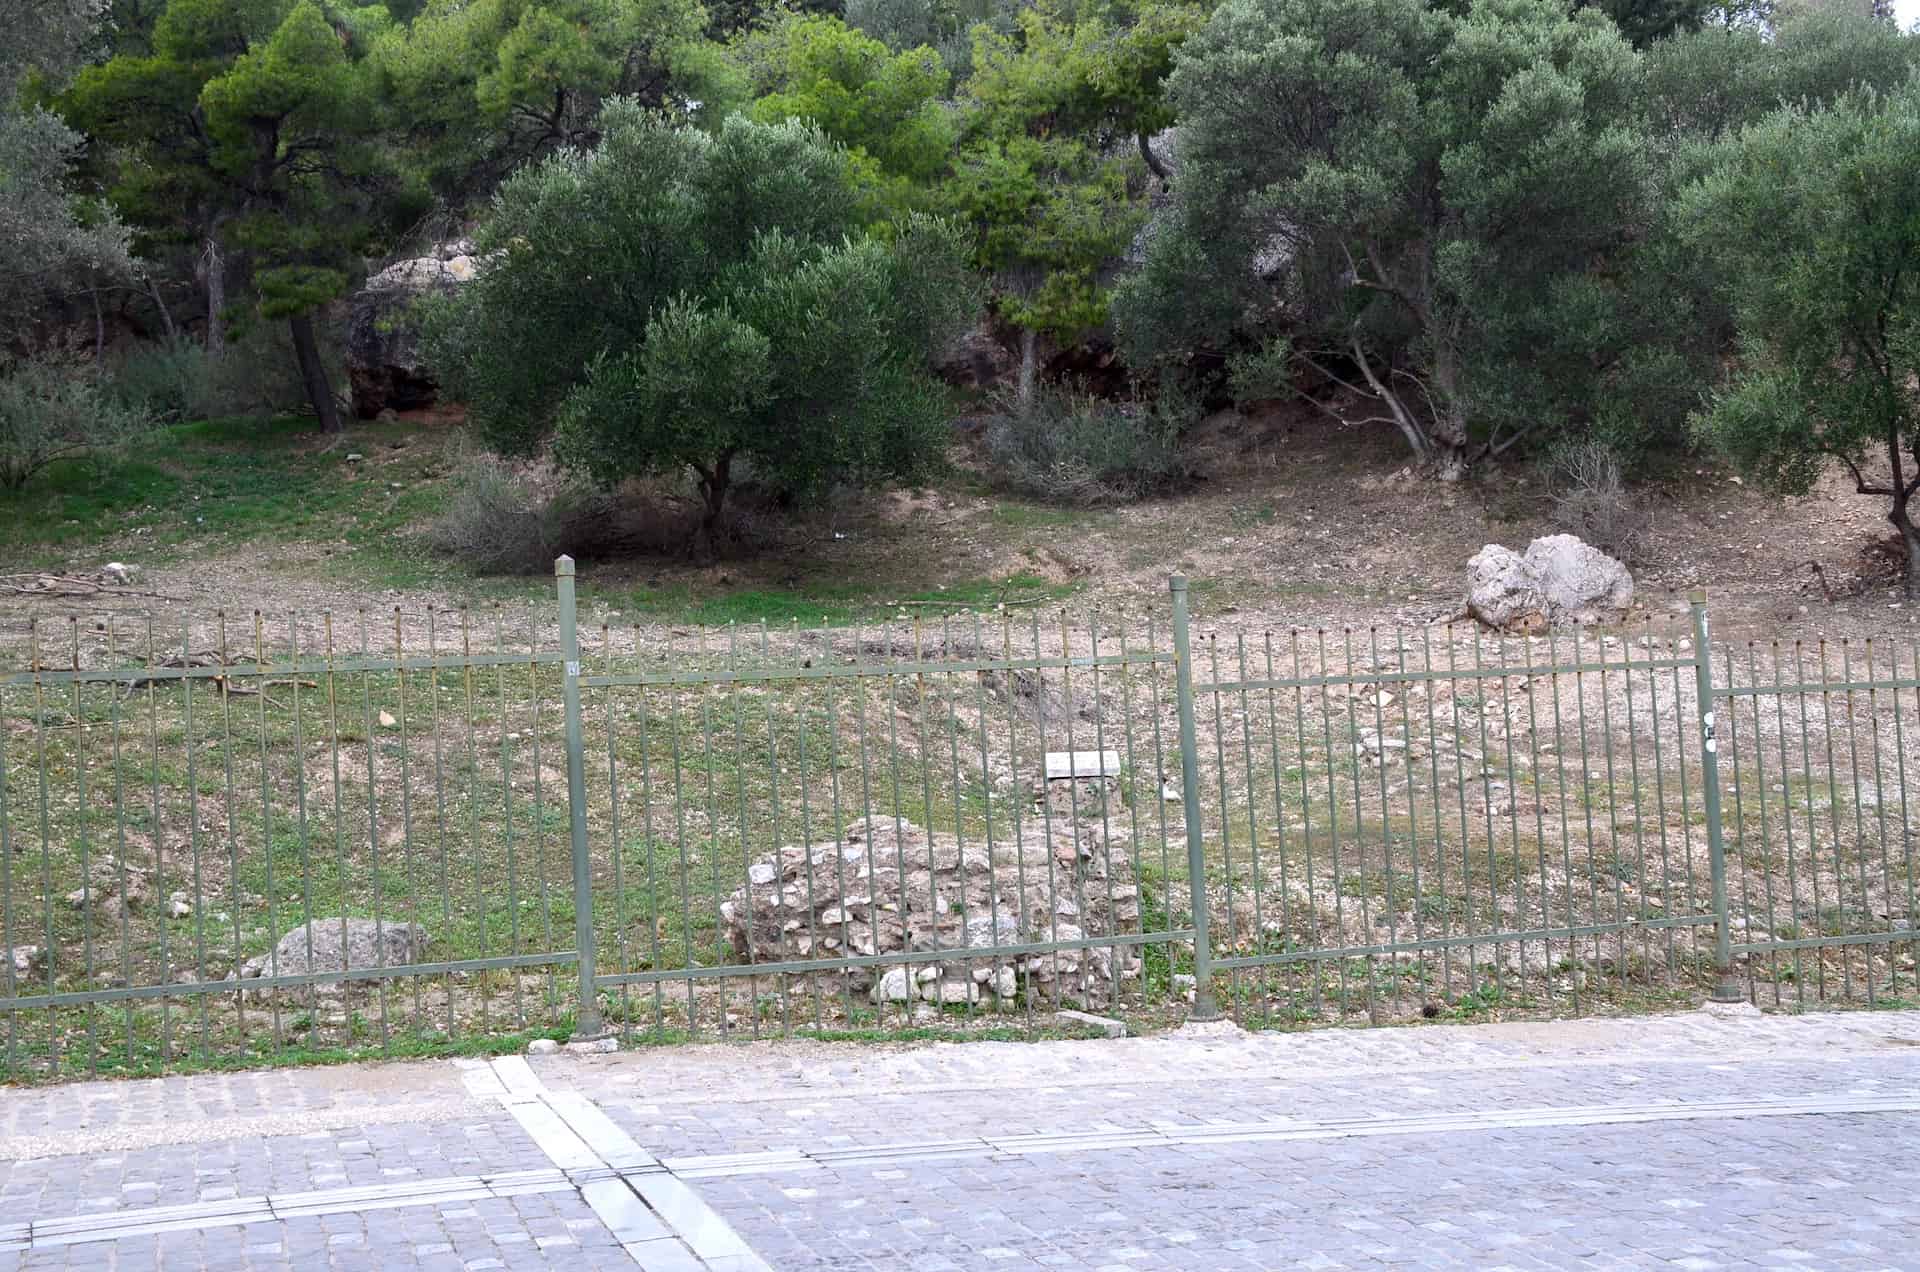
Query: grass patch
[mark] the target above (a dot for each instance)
(222, 483)
(1026, 516)
(829, 604)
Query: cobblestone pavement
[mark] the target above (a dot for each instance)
(1695, 1141)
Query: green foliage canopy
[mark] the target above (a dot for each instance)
(479, 86)
(50, 240)
(885, 107)
(674, 300)
(1051, 170)
(1814, 215)
(1430, 200)
(250, 125)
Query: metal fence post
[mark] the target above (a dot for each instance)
(1204, 1005)
(587, 1023)
(1726, 988)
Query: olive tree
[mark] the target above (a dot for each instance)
(1812, 215)
(1427, 199)
(681, 301)
(49, 240)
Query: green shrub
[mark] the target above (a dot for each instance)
(171, 381)
(51, 407)
(1066, 446)
(167, 380)
(753, 322)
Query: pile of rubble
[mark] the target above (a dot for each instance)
(890, 887)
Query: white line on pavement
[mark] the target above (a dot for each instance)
(666, 1226)
(1168, 1135)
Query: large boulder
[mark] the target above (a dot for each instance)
(384, 361)
(338, 945)
(1559, 580)
(892, 888)
(975, 360)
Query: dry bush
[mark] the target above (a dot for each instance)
(1591, 499)
(1066, 446)
(504, 518)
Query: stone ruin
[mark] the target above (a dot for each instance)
(886, 887)
(334, 945)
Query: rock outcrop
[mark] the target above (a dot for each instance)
(338, 945)
(1561, 579)
(384, 360)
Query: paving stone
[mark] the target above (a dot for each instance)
(1825, 1190)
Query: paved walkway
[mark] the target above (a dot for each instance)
(1696, 1141)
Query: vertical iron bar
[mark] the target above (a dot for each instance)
(1226, 813)
(1880, 818)
(618, 846)
(6, 901)
(1859, 824)
(1725, 989)
(368, 736)
(159, 850)
(1280, 820)
(1786, 827)
(1740, 855)
(1204, 1006)
(1906, 836)
(587, 1023)
(1539, 815)
(120, 843)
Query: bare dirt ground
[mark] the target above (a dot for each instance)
(1289, 522)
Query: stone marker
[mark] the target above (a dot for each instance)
(1065, 764)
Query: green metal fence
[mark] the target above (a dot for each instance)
(192, 815)
(1449, 821)
(235, 841)
(849, 828)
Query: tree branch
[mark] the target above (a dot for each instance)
(1860, 486)
(1421, 443)
(1154, 165)
(1351, 388)
(1492, 451)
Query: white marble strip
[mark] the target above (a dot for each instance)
(81, 1230)
(1168, 1135)
(660, 1221)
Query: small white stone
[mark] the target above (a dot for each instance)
(542, 1047)
(893, 986)
(1106, 1024)
(951, 992)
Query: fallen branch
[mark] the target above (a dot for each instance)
(61, 586)
(1821, 575)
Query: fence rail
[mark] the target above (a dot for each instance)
(413, 832)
